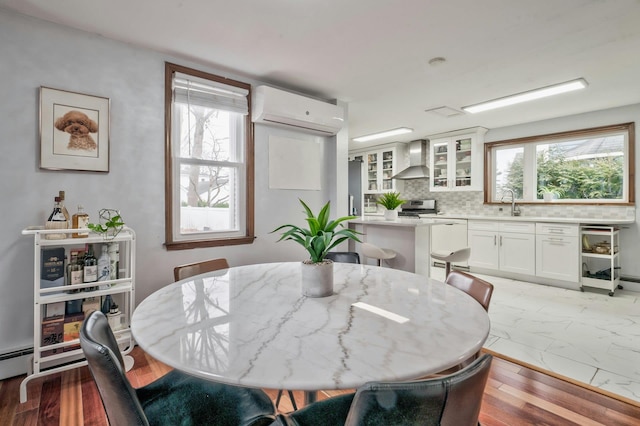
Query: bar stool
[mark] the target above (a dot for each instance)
(451, 256)
(375, 252)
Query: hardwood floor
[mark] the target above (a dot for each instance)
(515, 395)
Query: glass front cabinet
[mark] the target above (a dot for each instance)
(456, 160)
(378, 167)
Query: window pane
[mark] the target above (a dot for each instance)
(509, 171)
(208, 134)
(581, 169)
(208, 201)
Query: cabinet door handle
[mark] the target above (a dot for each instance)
(500, 240)
(494, 239)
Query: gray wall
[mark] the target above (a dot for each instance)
(35, 53)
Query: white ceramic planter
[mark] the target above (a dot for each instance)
(317, 279)
(390, 214)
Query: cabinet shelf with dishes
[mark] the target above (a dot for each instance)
(600, 258)
(456, 160)
(60, 306)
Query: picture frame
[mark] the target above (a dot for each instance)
(74, 131)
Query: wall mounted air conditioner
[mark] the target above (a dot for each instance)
(280, 108)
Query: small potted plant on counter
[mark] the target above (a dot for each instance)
(321, 236)
(390, 201)
(111, 223)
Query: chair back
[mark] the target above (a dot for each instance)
(343, 256)
(480, 290)
(375, 252)
(453, 400)
(185, 271)
(107, 368)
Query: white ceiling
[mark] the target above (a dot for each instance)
(374, 54)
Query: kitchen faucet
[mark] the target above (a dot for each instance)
(515, 209)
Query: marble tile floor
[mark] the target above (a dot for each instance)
(586, 336)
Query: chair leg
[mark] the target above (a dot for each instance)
(447, 269)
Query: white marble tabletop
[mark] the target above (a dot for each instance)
(250, 326)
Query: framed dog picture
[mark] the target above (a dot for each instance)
(74, 131)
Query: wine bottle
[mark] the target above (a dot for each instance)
(56, 220)
(114, 258)
(74, 271)
(90, 268)
(104, 267)
(80, 220)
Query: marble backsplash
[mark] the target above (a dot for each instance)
(471, 203)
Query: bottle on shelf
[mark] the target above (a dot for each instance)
(56, 220)
(114, 258)
(106, 304)
(80, 220)
(74, 270)
(64, 209)
(90, 268)
(114, 317)
(104, 267)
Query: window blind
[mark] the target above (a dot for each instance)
(192, 90)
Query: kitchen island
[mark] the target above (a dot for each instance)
(409, 238)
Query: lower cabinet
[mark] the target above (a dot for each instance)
(557, 251)
(505, 246)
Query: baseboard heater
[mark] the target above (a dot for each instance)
(630, 279)
(16, 354)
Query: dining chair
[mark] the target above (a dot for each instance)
(453, 400)
(190, 269)
(175, 398)
(449, 257)
(375, 252)
(343, 256)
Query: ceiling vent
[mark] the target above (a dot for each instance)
(286, 109)
(445, 111)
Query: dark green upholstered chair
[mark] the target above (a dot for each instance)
(174, 399)
(452, 400)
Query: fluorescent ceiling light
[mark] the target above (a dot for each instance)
(527, 96)
(393, 132)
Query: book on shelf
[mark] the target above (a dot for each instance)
(52, 333)
(52, 267)
(72, 324)
(55, 309)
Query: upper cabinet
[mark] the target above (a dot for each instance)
(456, 160)
(379, 165)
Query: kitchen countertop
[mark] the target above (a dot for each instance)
(583, 220)
(378, 220)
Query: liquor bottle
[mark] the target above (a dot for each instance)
(104, 267)
(106, 304)
(90, 268)
(74, 271)
(56, 221)
(114, 259)
(64, 209)
(80, 220)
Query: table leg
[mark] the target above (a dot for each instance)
(310, 397)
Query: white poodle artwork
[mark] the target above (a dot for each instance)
(79, 126)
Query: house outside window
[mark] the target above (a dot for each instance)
(591, 166)
(208, 160)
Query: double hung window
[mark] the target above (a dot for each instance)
(209, 160)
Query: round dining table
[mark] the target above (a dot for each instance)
(251, 326)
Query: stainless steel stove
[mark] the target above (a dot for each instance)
(417, 208)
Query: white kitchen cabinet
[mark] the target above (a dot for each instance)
(379, 165)
(557, 253)
(456, 162)
(49, 356)
(600, 258)
(505, 246)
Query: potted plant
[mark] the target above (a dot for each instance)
(111, 223)
(390, 201)
(318, 239)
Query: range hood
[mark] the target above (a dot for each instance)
(417, 162)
